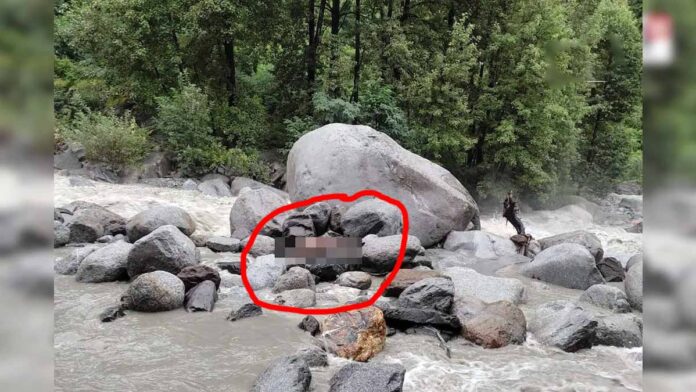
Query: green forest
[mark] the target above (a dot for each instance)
(539, 96)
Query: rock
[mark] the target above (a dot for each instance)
(407, 277)
(466, 307)
(368, 377)
(567, 264)
(608, 297)
(201, 298)
(252, 206)
(192, 275)
(295, 278)
(684, 296)
(619, 330)
(233, 267)
(69, 264)
(80, 181)
(335, 219)
(147, 221)
(154, 292)
(580, 237)
(310, 324)
(636, 227)
(111, 313)
(611, 269)
(326, 272)
(635, 259)
(313, 356)
(329, 294)
(405, 318)
(245, 311)
(263, 245)
(107, 239)
(356, 335)
(298, 224)
(215, 188)
(634, 286)
(239, 183)
(106, 264)
(297, 298)
(320, 213)
(429, 293)
(71, 158)
(380, 253)
(157, 164)
(190, 185)
(436, 202)
(372, 216)
(165, 249)
(61, 234)
(468, 282)
(241, 234)
(629, 188)
(217, 176)
(88, 224)
(496, 325)
(356, 279)
(264, 271)
(563, 324)
(479, 244)
(634, 203)
(223, 244)
(286, 374)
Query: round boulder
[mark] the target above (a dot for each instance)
(252, 206)
(165, 249)
(563, 324)
(496, 325)
(580, 237)
(106, 264)
(194, 274)
(356, 279)
(567, 264)
(147, 221)
(634, 286)
(155, 292)
(371, 216)
(380, 253)
(608, 297)
(295, 278)
(286, 374)
(356, 335)
(373, 377)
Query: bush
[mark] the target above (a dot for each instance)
(107, 138)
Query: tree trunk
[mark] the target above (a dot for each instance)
(314, 37)
(334, 83)
(356, 70)
(231, 73)
(406, 11)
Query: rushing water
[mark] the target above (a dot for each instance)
(179, 351)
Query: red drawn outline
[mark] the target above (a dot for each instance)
(304, 203)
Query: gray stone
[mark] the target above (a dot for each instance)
(634, 286)
(252, 206)
(479, 244)
(286, 374)
(468, 282)
(635, 259)
(368, 377)
(608, 297)
(89, 223)
(239, 183)
(216, 176)
(263, 245)
(380, 253)
(567, 264)
(245, 311)
(264, 271)
(685, 296)
(106, 239)
(430, 293)
(633, 203)
(329, 294)
(356, 279)
(80, 181)
(215, 187)
(298, 224)
(404, 318)
(147, 221)
(436, 201)
(154, 292)
(166, 249)
(156, 164)
(619, 330)
(310, 324)
(201, 298)
(223, 244)
(372, 216)
(580, 237)
(297, 298)
(629, 188)
(314, 356)
(611, 269)
(69, 264)
(294, 278)
(61, 234)
(106, 264)
(496, 325)
(111, 313)
(190, 185)
(563, 324)
(192, 275)
(69, 159)
(407, 277)
(320, 213)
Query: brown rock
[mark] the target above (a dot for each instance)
(497, 325)
(195, 274)
(407, 277)
(356, 335)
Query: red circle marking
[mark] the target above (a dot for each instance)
(304, 203)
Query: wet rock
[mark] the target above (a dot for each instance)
(286, 374)
(201, 298)
(320, 213)
(329, 294)
(429, 293)
(263, 245)
(355, 279)
(635, 259)
(636, 227)
(154, 292)
(580, 237)
(368, 377)
(106, 264)
(619, 330)
(223, 244)
(405, 318)
(264, 271)
(479, 244)
(371, 216)
(189, 185)
(216, 176)
(629, 188)
(436, 201)
(563, 324)
(88, 224)
(380, 253)
(356, 335)
(298, 224)
(239, 183)
(634, 286)
(335, 219)
(568, 264)
(233, 267)
(297, 298)
(241, 234)
(105, 239)
(70, 159)
(151, 219)
(326, 272)
(633, 203)
(466, 307)
(608, 297)
(61, 234)
(496, 325)
(313, 356)
(468, 282)
(310, 324)
(407, 277)
(80, 181)
(245, 311)
(192, 275)
(215, 187)
(611, 269)
(252, 206)
(69, 264)
(165, 249)
(294, 278)
(111, 313)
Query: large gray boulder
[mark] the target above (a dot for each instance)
(567, 264)
(253, 205)
(429, 293)
(608, 297)
(479, 244)
(215, 187)
(368, 377)
(201, 298)
(563, 324)
(286, 374)
(239, 183)
(61, 234)
(297, 298)
(264, 271)
(380, 253)
(469, 283)
(147, 221)
(580, 237)
(295, 278)
(343, 158)
(634, 286)
(106, 264)
(263, 245)
(320, 213)
(372, 216)
(166, 249)
(355, 279)
(154, 292)
(69, 264)
(619, 330)
(88, 223)
(496, 325)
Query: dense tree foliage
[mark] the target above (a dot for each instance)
(540, 96)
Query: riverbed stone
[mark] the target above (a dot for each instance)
(331, 294)
(298, 224)
(430, 293)
(297, 298)
(356, 335)
(201, 298)
(635, 259)
(611, 269)
(569, 265)
(192, 275)
(61, 234)
(263, 245)
(214, 187)
(264, 271)
(634, 286)
(355, 279)
(223, 244)
(580, 237)
(372, 216)
(310, 324)
(166, 249)
(294, 278)
(245, 311)
(608, 297)
(147, 221)
(380, 253)
(368, 377)
(91, 222)
(563, 324)
(285, 374)
(496, 325)
(314, 356)
(619, 330)
(154, 292)
(468, 282)
(320, 213)
(403, 318)
(239, 183)
(407, 277)
(106, 264)
(69, 264)
(479, 244)
(252, 206)
(111, 313)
